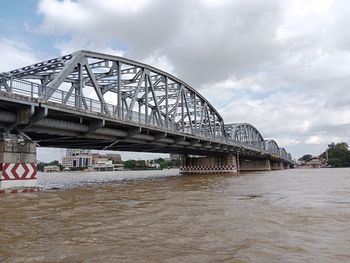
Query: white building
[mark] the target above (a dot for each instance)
(51, 169)
(103, 164)
(77, 158)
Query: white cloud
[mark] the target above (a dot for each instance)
(281, 65)
(14, 55)
(314, 140)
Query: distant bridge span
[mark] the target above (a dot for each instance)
(104, 102)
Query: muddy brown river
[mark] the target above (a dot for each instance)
(158, 216)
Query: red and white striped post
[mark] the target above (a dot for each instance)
(18, 171)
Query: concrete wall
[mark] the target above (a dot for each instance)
(17, 163)
(17, 151)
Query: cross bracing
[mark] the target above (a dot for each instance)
(119, 88)
(246, 133)
(137, 88)
(272, 147)
(250, 136)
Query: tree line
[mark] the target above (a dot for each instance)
(338, 155)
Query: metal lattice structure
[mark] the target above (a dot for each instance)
(132, 96)
(135, 90)
(245, 133)
(283, 153)
(272, 147)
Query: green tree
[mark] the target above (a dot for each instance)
(338, 155)
(140, 164)
(40, 166)
(130, 164)
(135, 164)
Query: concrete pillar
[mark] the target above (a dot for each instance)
(286, 166)
(208, 164)
(255, 165)
(18, 171)
(276, 165)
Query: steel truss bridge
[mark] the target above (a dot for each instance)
(98, 101)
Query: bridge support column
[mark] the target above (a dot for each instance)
(276, 165)
(208, 164)
(286, 166)
(255, 165)
(17, 165)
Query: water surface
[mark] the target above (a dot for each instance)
(159, 216)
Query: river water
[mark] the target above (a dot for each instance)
(159, 216)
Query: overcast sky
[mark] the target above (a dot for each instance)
(283, 66)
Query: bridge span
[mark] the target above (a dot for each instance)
(97, 101)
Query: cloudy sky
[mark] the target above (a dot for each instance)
(283, 66)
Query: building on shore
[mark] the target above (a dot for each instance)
(51, 169)
(104, 164)
(151, 164)
(80, 159)
(314, 162)
(77, 158)
(115, 158)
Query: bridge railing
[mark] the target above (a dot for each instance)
(63, 98)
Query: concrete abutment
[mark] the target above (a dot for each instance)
(18, 170)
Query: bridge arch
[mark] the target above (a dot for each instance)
(123, 87)
(245, 133)
(283, 153)
(272, 147)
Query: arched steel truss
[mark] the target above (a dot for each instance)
(245, 133)
(250, 136)
(124, 88)
(283, 153)
(272, 147)
(129, 90)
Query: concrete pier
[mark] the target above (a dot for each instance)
(208, 164)
(226, 164)
(18, 171)
(276, 165)
(254, 165)
(286, 166)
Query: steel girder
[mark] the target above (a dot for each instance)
(245, 133)
(121, 87)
